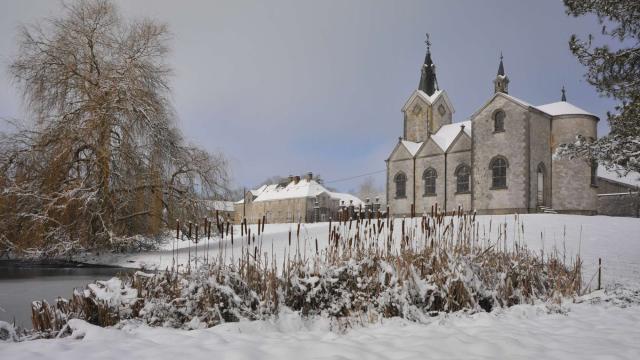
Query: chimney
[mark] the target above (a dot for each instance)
(296, 179)
(290, 178)
(309, 176)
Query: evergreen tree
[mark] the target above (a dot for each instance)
(615, 73)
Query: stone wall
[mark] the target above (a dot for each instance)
(440, 119)
(571, 179)
(512, 144)
(459, 154)
(619, 204)
(540, 156)
(416, 119)
(400, 161)
(429, 156)
(606, 186)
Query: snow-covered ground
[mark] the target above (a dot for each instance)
(615, 240)
(585, 331)
(593, 328)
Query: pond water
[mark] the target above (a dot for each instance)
(21, 283)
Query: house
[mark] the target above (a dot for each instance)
(295, 200)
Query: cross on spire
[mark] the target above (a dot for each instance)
(428, 42)
(564, 95)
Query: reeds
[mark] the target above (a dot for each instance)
(434, 263)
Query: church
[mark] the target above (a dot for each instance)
(498, 161)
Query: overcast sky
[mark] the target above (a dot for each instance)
(286, 87)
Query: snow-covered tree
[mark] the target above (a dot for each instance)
(615, 72)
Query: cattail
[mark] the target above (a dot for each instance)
(177, 229)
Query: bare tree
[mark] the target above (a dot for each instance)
(368, 190)
(104, 159)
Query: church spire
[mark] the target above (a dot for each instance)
(428, 82)
(501, 82)
(501, 66)
(564, 95)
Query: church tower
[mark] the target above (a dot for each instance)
(501, 83)
(429, 107)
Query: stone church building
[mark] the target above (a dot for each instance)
(500, 160)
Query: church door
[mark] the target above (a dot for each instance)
(540, 186)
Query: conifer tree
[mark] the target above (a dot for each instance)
(615, 73)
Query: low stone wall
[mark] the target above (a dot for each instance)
(619, 204)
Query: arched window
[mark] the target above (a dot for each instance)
(429, 176)
(401, 185)
(462, 178)
(541, 174)
(498, 166)
(498, 121)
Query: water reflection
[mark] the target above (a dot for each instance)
(22, 283)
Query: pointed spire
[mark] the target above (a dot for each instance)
(501, 82)
(428, 82)
(564, 94)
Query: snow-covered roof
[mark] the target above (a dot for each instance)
(220, 205)
(302, 189)
(259, 190)
(411, 146)
(619, 175)
(347, 198)
(445, 136)
(562, 108)
(429, 99)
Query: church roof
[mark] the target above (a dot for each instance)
(412, 147)
(428, 82)
(429, 99)
(446, 135)
(562, 108)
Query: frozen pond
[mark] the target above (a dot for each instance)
(22, 283)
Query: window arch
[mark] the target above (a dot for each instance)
(429, 176)
(498, 166)
(498, 121)
(401, 185)
(463, 174)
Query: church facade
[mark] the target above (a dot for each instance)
(498, 161)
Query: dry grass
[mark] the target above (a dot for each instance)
(436, 263)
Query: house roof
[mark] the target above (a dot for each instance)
(302, 189)
(220, 205)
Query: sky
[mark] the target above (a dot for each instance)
(294, 86)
